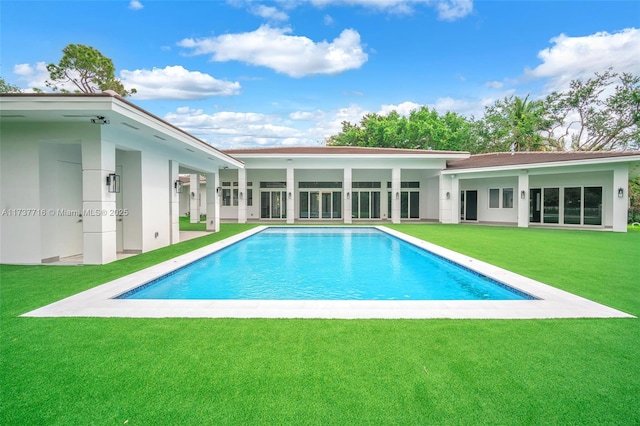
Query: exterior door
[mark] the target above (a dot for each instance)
(535, 205)
(469, 205)
(69, 227)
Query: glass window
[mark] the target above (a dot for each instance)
(507, 198)
(265, 205)
(304, 205)
(364, 205)
(410, 185)
(404, 205)
(551, 205)
(354, 204)
(593, 205)
(414, 205)
(572, 206)
(226, 197)
(319, 184)
(494, 198)
(273, 184)
(375, 204)
(235, 196)
(365, 185)
(337, 204)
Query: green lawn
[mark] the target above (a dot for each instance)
(227, 371)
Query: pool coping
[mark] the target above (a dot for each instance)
(552, 303)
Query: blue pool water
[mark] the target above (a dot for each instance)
(324, 264)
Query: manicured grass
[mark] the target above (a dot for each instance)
(230, 371)
(186, 225)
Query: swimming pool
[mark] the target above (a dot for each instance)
(283, 263)
(103, 301)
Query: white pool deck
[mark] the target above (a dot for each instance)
(554, 303)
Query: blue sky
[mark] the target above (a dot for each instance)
(241, 73)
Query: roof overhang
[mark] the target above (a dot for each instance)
(633, 160)
(122, 118)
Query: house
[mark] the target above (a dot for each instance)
(95, 175)
(92, 175)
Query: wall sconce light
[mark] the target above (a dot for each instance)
(620, 192)
(397, 195)
(348, 195)
(113, 182)
(193, 195)
(241, 195)
(448, 195)
(178, 186)
(523, 194)
(218, 190)
(290, 195)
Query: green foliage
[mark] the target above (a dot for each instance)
(87, 69)
(8, 88)
(593, 116)
(422, 129)
(513, 124)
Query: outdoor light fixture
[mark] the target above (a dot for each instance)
(218, 190)
(620, 192)
(448, 195)
(178, 186)
(241, 195)
(113, 182)
(397, 195)
(290, 195)
(348, 195)
(523, 194)
(100, 120)
(193, 195)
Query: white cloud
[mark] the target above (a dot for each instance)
(306, 115)
(451, 10)
(328, 20)
(274, 48)
(228, 129)
(448, 10)
(30, 76)
(268, 12)
(573, 58)
(494, 84)
(176, 82)
(135, 5)
(403, 108)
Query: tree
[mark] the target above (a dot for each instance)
(87, 69)
(514, 124)
(422, 129)
(8, 88)
(593, 116)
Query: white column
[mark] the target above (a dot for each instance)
(242, 196)
(194, 198)
(213, 202)
(291, 195)
(347, 193)
(174, 197)
(620, 204)
(395, 194)
(98, 226)
(455, 199)
(523, 202)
